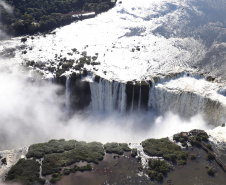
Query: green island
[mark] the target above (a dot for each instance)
(25, 172)
(33, 16)
(58, 159)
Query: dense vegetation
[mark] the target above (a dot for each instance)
(56, 154)
(195, 139)
(181, 138)
(25, 172)
(157, 169)
(134, 152)
(53, 146)
(57, 176)
(117, 148)
(60, 158)
(32, 16)
(89, 152)
(164, 148)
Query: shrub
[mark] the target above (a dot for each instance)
(203, 136)
(134, 152)
(125, 147)
(184, 144)
(195, 143)
(67, 171)
(55, 177)
(209, 146)
(176, 137)
(182, 140)
(181, 162)
(88, 167)
(159, 166)
(117, 148)
(210, 172)
(193, 156)
(155, 175)
(209, 157)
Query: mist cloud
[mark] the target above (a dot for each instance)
(33, 112)
(8, 9)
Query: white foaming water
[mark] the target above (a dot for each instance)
(33, 114)
(218, 133)
(188, 96)
(122, 98)
(117, 33)
(108, 96)
(29, 109)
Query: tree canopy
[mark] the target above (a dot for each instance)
(32, 16)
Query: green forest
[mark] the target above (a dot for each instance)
(32, 16)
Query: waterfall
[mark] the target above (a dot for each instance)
(107, 96)
(184, 100)
(67, 95)
(187, 104)
(115, 94)
(132, 100)
(149, 97)
(122, 98)
(178, 96)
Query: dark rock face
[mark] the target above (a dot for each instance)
(137, 93)
(80, 95)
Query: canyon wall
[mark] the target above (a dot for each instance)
(107, 96)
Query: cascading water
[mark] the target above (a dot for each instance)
(189, 99)
(122, 98)
(108, 96)
(67, 95)
(115, 93)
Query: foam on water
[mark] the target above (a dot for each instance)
(158, 28)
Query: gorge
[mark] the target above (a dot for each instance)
(140, 70)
